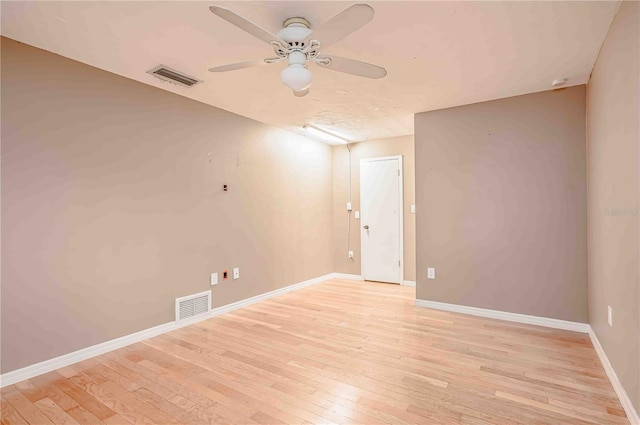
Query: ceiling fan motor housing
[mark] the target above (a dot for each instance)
(295, 31)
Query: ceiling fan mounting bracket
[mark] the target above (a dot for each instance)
(291, 21)
(312, 49)
(280, 49)
(322, 61)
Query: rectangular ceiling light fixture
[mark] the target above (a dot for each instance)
(171, 75)
(323, 135)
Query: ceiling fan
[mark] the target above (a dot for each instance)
(298, 44)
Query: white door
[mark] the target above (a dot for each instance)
(381, 219)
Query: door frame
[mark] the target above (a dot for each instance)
(400, 211)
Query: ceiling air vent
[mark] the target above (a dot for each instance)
(193, 305)
(171, 75)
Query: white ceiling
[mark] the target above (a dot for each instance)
(437, 54)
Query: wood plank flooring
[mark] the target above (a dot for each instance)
(341, 352)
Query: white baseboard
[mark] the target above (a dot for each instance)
(360, 277)
(28, 372)
(503, 315)
(243, 303)
(632, 415)
(33, 370)
(346, 276)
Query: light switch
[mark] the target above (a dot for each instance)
(357, 214)
(431, 273)
(214, 278)
(413, 208)
(236, 273)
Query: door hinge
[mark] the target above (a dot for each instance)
(398, 263)
(398, 172)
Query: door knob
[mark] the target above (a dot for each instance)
(366, 227)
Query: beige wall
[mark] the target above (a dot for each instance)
(112, 205)
(613, 138)
(370, 149)
(501, 204)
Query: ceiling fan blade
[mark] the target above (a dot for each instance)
(241, 65)
(343, 24)
(244, 24)
(301, 93)
(352, 66)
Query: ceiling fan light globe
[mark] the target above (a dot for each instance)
(296, 77)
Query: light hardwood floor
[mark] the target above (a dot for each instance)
(340, 352)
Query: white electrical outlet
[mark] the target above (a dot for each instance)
(431, 273)
(357, 214)
(236, 273)
(609, 315)
(214, 278)
(348, 206)
(350, 254)
(413, 208)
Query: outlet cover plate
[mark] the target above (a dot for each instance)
(236, 273)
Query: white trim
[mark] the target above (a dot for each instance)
(503, 315)
(239, 304)
(400, 211)
(380, 158)
(632, 415)
(33, 370)
(28, 372)
(347, 276)
(409, 283)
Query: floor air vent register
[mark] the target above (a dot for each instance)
(193, 305)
